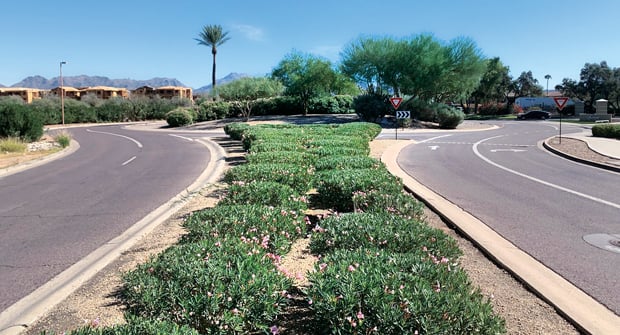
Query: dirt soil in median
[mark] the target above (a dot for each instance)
(97, 301)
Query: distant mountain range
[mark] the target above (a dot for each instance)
(84, 81)
(229, 78)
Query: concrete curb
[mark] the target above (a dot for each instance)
(577, 159)
(578, 307)
(30, 308)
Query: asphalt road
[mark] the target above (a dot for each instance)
(542, 203)
(53, 215)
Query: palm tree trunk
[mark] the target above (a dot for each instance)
(213, 77)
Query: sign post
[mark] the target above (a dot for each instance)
(395, 101)
(560, 102)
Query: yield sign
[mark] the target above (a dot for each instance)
(560, 102)
(396, 102)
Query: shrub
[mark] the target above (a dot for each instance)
(277, 227)
(449, 117)
(420, 110)
(606, 130)
(401, 203)
(347, 162)
(79, 112)
(235, 130)
(374, 291)
(114, 110)
(16, 120)
(209, 110)
(336, 187)
(371, 107)
(493, 109)
(297, 177)
(134, 326)
(279, 156)
(328, 104)
(382, 231)
(179, 117)
(216, 286)
(63, 138)
(266, 193)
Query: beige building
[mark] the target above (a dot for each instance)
(28, 94)
(165, 92)
(105, 92)
(70, 92)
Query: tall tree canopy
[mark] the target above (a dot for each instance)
(212, 36)
(597, 81)
(307, 76)
(495, 83)
(420, 66)
(248, 90)
(526, 85)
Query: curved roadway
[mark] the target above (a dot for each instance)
(543, 204)
(54, 215)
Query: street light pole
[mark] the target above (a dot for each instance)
(62, 95)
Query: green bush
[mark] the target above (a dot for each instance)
(336, 187)
(297, 177)
(216, 286)
(48, 108)
(338, 104)
(449, 117)
(236, 129)
(606, 130)
(79, 112)
(382, 231)
(16, 120)
(401, 204)
(347, 162)
(114, 110)
(277, 227)
(279, 156)
(420, 110)
(366, 291)
(63, 138)
(212, 110)
(265, 193)
(371, 107)
(134, 326)
(493, 109)
(179, 117)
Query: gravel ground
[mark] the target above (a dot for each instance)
(97, 301)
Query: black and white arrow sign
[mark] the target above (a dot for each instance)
(402, 114)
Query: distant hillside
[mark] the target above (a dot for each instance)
(229, 78)
(83, 81)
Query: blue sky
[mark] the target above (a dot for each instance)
(142, 39)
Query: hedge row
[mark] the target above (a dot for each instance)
(606, 130)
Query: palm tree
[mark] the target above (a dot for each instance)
(547, 76)
(212, 36)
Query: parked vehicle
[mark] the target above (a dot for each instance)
(534, 114)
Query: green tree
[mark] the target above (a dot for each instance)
(597, 81)
(248, 90)
(526, 85)
(494, 84)
(212, 36)
(421, 66)
(306, 76)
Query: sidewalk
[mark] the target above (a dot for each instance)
(605, 146)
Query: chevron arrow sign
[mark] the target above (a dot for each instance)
(402, 114)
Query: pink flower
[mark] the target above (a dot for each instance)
(351, 268)
(360, 315)
(274, 330)
(322, 266)
(218, 244)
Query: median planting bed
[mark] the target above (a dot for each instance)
(380, 268)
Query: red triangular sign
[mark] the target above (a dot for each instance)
(396, 102)
(560, 102)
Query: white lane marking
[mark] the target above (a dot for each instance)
(546, 183)
(433, 138)
(129, 160)
(512, 150)
(183, 137)
(119, 135)
(433, 147)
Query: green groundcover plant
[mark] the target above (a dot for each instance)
(266, 193)
(372, 291)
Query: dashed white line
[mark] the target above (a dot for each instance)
(129, 160)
